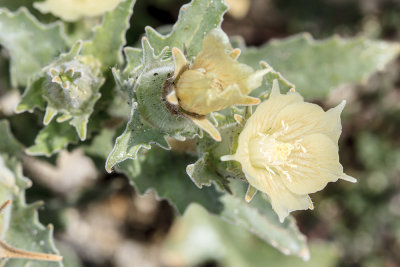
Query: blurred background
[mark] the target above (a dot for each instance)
(100, 221)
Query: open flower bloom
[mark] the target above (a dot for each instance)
(73, 10)
(216, 80)
(289, 149)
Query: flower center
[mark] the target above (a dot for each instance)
(215, 83)
(265, 151)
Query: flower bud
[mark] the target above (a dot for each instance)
(69, 85)
(216, 80)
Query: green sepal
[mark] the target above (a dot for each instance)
(203, 173)
(150, 88)
(134, 58)
(84, 73)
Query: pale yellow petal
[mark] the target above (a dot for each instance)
(180, 61)
(171, 98)
(235, 53)
(191, 91)
(206, 126)
(283, 201)
(238, 8)
(304, 118)
(314, 165)
(262, 119)
(73, 10)
(214, 58)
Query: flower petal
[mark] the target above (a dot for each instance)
(283, 201)
(215, 59)
(262, 119)
(314, 167)
(306, 118)
(191, 91)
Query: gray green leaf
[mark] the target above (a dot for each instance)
(8, 144)
(229, 246)
(52, 139)
(31, 44)
(20, 228)
(317, 67)
(164, 172)
(151, 88)
(109, 37)
(195, 20)
(136, 136)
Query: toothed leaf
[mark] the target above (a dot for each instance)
(135, 137)
(195, 20)
(31, 44)
(52, 139)
(203, 173)
(151, 93)
(8, 144)
(109, 37)
(19, 223)
(164, 172)
(317, 67)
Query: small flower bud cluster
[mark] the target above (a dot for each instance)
(70, 85)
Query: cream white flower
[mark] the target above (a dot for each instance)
(289, 149)
(73, 10)
(215, 80)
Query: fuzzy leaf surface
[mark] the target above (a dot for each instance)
(52, 139)
(136, 136)
(317, 67)
(152, 117)
(195, 20)
(164, 172)
(229, 247)
(109, 37)
(31, 44)
(19, 223)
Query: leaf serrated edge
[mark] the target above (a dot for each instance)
(310, 40)
(25, 12)
(109, 165)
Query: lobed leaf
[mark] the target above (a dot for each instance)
(231, 247)
(51, 139)
(195, 20)
(109, 37)
(20, 228)
(31, 44)
(136, 136)
(151, 117)
(317, 67)
(164, 172)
